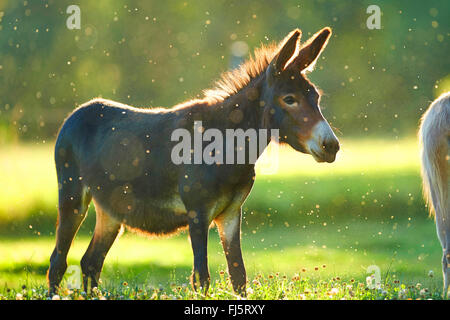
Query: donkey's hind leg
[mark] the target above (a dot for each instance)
(106, 231)
(74, 201)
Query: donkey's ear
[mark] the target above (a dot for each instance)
(289, 46)
(311, 50)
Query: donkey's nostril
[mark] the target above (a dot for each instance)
(330, 146)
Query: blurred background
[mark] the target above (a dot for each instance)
(364, 209)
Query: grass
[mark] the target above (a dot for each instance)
(310, 231)
(312, 257)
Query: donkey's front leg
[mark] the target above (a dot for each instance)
(229, 225)
(198, 232)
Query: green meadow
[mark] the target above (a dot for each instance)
(354, 229)
(310, 231)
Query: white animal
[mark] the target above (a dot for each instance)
(434, 138)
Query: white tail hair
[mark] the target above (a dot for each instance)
(434, 135)
(434, 138)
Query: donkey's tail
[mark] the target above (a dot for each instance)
(434, 137)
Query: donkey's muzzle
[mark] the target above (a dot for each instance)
(323, 144)
(327, 153)
(330, 149)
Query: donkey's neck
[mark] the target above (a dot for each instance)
(242, 109)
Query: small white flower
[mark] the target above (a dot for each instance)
(19, 296)
(334, 291)
(56, 297)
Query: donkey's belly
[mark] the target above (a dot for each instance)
(154, 216)
(151, 214)
(167, 216)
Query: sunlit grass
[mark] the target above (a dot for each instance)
(316, 255)
(27, 178)
(317, 221)
(355, 156)
(261, 287)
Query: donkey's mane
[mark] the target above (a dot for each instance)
(231, 82)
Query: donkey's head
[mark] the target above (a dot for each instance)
(292, 102)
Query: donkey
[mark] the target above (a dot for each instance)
(434, 138)
(119, 157)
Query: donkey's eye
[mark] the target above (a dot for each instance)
(289, 100)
